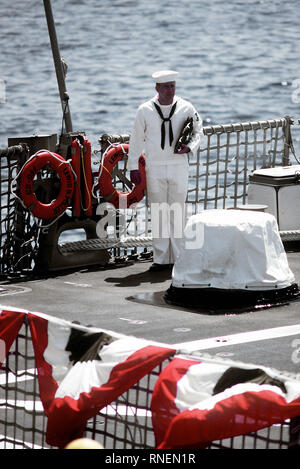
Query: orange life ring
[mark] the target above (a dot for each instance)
(31, 168)
(106, 187)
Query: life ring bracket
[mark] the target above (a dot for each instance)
(105, 180)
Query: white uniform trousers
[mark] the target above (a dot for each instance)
(167, 186)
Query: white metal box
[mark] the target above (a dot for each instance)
(279, 189)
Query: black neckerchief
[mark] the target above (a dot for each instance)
(165, 119)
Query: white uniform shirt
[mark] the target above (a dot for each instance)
(146, 134)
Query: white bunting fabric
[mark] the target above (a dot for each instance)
(80, 372)
(196, 403)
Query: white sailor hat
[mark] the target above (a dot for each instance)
(164, 76)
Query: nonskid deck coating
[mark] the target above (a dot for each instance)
(128, 299)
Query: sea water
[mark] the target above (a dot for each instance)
(238, 60)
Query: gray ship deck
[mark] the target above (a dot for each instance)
(128, 299)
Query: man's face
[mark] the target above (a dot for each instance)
(166, 92)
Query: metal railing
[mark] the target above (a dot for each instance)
(17, 230)
(124, 424)
(219, 176)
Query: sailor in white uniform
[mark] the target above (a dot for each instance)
(157, 126)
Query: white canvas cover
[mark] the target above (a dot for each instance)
(232, 249)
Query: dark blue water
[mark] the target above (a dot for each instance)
(238, 61)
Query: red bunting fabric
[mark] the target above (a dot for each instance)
(10, 323)
(81, 372)
(196, 403)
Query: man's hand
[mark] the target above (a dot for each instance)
(135, 176)
(184, 149)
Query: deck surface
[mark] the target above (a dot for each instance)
(128, 299)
